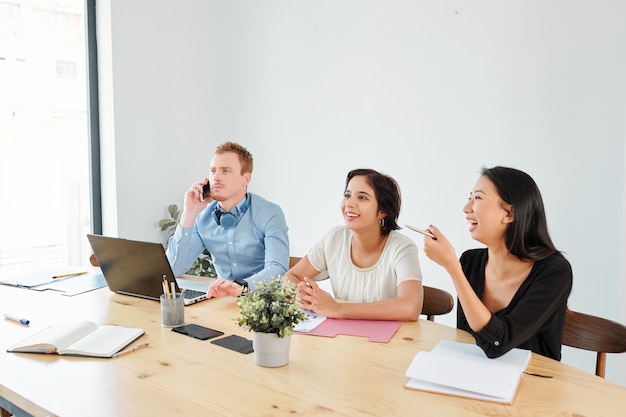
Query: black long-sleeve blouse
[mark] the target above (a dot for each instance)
(535, 317)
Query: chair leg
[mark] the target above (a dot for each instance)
(601, 364)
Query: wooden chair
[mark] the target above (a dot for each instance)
(293, 260)
(436, 302)
(587, 332)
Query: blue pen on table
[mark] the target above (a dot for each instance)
(17, 319)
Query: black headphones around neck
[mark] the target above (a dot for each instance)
(228, 219)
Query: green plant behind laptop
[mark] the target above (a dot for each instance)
(203, 266)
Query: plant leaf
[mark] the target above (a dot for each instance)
(173, 210)
(166, 224)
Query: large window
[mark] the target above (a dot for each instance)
(45, 208)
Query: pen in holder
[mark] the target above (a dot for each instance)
(172, 310)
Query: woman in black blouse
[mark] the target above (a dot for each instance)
(513, 293)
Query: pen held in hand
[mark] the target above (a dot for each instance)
(143, 345)
(424, 232)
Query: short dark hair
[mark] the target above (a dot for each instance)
(387, 193)
(527, 236)
(245, 157)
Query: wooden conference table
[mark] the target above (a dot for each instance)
(181, 376)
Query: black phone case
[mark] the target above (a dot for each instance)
(197, 331)
(206, 190)
(236, 343)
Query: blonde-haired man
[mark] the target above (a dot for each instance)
(245, 234)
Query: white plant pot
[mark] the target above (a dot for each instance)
(270, 350)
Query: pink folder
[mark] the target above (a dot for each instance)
(375, 330)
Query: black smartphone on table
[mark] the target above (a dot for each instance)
(197, 331)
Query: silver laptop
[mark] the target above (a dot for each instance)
(137, 268)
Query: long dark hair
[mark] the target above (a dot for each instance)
(387, 194)
(527, 236)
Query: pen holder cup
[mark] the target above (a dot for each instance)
(172, 311)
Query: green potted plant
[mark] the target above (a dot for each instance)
(270, 312)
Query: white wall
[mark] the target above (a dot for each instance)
(425, 91)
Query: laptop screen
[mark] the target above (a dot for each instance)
(132, 267)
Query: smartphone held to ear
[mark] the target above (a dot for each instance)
(206, 191)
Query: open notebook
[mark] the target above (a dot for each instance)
(81, 338)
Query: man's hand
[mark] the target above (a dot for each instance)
(193, 203)
(222, 287)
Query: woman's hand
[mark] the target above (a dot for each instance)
(440, 250)
(311, 297)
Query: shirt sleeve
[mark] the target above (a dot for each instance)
(183, 248)
(317, 254)
(408, 263)
(276, 239)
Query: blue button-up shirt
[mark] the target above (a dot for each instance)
(256, 248)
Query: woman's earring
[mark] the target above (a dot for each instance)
(382, 222)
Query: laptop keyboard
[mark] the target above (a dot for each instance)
(190, 294)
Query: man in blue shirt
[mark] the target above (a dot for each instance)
(245, 234)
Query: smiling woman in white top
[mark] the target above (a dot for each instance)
(373, 269)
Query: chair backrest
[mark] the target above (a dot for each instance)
(436, 302)
(587, 332)
(293, 260)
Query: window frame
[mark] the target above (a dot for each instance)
(93, 118)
